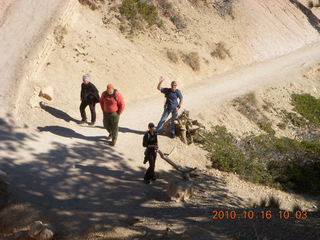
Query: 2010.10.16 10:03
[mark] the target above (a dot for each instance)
(263, 214)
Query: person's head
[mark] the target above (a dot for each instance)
(173, 85)
(110, 88)
(86, 78)
(151, 127)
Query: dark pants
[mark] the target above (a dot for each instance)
(110, 123)
(151, 156)
(92, 106)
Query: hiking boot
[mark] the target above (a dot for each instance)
(172, 136)
(91, 123)
(109, 137)
(112, 143)
(82, 122)
(146, 181)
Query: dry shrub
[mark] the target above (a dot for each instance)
(92, 4)
(178, 21)
(172, 56)
(221, 51)
(59, 33)
(167, 10)
(193, 60)
(198, 2)
(224, 7)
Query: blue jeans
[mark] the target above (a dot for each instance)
(164, 117)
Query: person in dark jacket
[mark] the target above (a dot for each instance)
(89, 96)
(150, 142)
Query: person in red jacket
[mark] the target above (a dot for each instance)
(112, 106)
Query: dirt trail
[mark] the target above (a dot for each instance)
(70, 170)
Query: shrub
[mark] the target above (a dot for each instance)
(247, 105)
(308, 106)
(266, 126)
(129, 9)
(172, 56)
(193, 60)
(178, 22)
(59, 32)
(278, 162)
(220, 51)
(166, 7)
(132, 9)
(224, 8)
(92, 4)
(293, 118)
(227, 156)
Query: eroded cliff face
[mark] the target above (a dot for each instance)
(273, 28)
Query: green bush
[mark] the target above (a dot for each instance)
(227, 156)
(308, 106)
(132, 9)
(278, 162)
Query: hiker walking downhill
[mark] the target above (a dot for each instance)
(112, 106)
(150, 141)
(89, 96)
(171, 106)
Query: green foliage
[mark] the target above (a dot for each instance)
(294, 119)
(129, 9)
(308, 106)
(278, 162)
(133, 9)
(266, 126)
(227, 156)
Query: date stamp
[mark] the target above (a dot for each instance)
(251, 214)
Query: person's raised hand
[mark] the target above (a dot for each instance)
(161, 79)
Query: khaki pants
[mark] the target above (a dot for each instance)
(110, 123)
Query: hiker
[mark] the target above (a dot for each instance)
(89, 96)
(112, 106)
(171, 106)
(150, 141)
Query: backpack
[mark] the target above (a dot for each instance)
(114, 94)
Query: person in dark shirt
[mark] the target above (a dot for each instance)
(171, 106)
(150, 141)
(89, 96)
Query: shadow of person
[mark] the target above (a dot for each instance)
(69, 133)
(58, 113)
(128, 130)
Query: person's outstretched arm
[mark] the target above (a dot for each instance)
(160, 82)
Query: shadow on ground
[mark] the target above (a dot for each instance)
(58, 113)
(79, 186)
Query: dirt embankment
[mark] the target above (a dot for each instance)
(56, 43)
